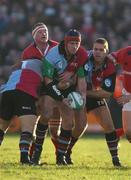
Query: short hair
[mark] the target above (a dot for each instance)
(102, 41)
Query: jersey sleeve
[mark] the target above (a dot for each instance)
(82, 57)
(80, 72)
(48, 69)
(121, 54)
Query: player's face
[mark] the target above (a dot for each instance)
(42, 35)
(99, 52)
(73, 46)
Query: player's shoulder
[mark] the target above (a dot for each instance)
(124, 51)
(29, 47)
(53, 53)
(109, 67)
(52, 42)
(28, 50)
(82, 52)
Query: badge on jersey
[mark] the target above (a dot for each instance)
(87, 67)
(60, 65)
(108, 82)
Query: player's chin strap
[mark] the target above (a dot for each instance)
(54, 92)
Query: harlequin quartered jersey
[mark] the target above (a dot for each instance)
(27, 78)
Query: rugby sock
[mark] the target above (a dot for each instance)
(54, 128)
(71, 145)
(1, 136)
(63, 141)
(24, 145)
(112, 142)
(69, 151)
(41, 132)
(119, 132)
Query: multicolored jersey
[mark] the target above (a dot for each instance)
(29, 75)
(123, 57)
(104, 77)
(56, 63)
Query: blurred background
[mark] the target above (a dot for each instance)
(94, 18)
(110, 19)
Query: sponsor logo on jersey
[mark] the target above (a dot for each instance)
(74, 64)
(99, 79)
(26, 107)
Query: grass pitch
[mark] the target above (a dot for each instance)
(90, 155)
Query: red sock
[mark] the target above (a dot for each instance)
(119, 132)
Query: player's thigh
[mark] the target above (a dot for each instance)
(80, 119)
(48, 106)
(126, 118)
(104, 118)
(67, 115)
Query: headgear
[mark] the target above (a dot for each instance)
(72, 35)
(38, 27)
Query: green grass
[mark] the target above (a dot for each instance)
(91, 162)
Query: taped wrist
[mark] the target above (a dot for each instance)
(54, 92)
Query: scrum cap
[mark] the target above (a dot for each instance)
(72, 35)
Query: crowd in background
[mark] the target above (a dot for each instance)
(93, 18)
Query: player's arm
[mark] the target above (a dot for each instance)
(81, 83)
(48, 77)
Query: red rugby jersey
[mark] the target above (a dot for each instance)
(32, 52)
(101, 74)
(123, 57)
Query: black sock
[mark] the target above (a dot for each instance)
(41, 132)
(112, 142)
(24, 145)
(63, 141)
(1, 136)
(71, 145)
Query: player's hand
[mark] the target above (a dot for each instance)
(65, 76)
(66, 102)
(123, 99)
(110, 57)
(62, 85)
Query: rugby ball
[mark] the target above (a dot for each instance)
(75, 100)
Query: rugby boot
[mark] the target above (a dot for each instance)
(68, 159)
(24, 160)
(60, 160)
(116, 162)
(35, 160)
